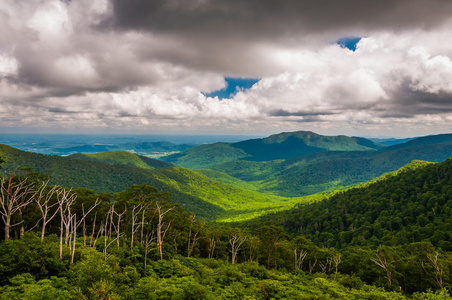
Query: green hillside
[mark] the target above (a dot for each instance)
(193, 191)
(123, 158)
(278, 146)
(204, 156)
(326, 171)
(412, 206)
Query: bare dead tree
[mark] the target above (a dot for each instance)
(336, 260)
(150, 238)
(212, 244)
(326, 267)
(193, 236)
(381, 261)
(312, 266)
(76, 224)
(299, 258)
(437, 267)
(16, 193)
(65, 200)
(109, 244)
(99, 233)
(135, 211)
(162, 227)
(143, 213)
(93, 230)
(117, 227)
(43, 201)
(236, 242)
(175, 236)
(108, 217)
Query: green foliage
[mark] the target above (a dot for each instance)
(279, 146)
(410, 206)
(123, 158)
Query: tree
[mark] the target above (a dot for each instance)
(386, 263)
(438, 271)
(271, 237)
(236, 241)
(16, 193)
(43, 201)
(162, 227)
(193, 235)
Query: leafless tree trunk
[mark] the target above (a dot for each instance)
(162, 227)
(117, 228)
(438, 270)
(299, 258)
(176, 235)
(135, 211)
(150, 238)
(94, 229)
(381, 261)
(16, 193)
(212, 244)
(193, 240)
(326, 267)
(236, 242)
(65, 200)
(311, 267)
(337, 261)
(76, 224)
(43, 202)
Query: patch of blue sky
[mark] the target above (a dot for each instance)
(233, 85)
(348, 42)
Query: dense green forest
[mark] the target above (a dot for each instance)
(335, 166)
(122, 226)
(413, 206)
(279, 146)
(136, 244)
(115, 171)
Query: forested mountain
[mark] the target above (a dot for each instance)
(322, 171)
(425, 140)
(413, 206)
(115, 171)
(279, 146)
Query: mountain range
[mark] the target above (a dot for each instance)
(223, 181)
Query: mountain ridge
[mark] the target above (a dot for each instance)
(284, 145)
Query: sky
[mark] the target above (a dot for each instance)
(257, 67)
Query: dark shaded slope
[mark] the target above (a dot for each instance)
(426, 140)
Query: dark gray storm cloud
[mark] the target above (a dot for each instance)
(270, 19)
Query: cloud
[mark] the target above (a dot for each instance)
(144, 65)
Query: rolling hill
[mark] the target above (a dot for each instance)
(123, 158)
(115, 172)
(278, 146)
